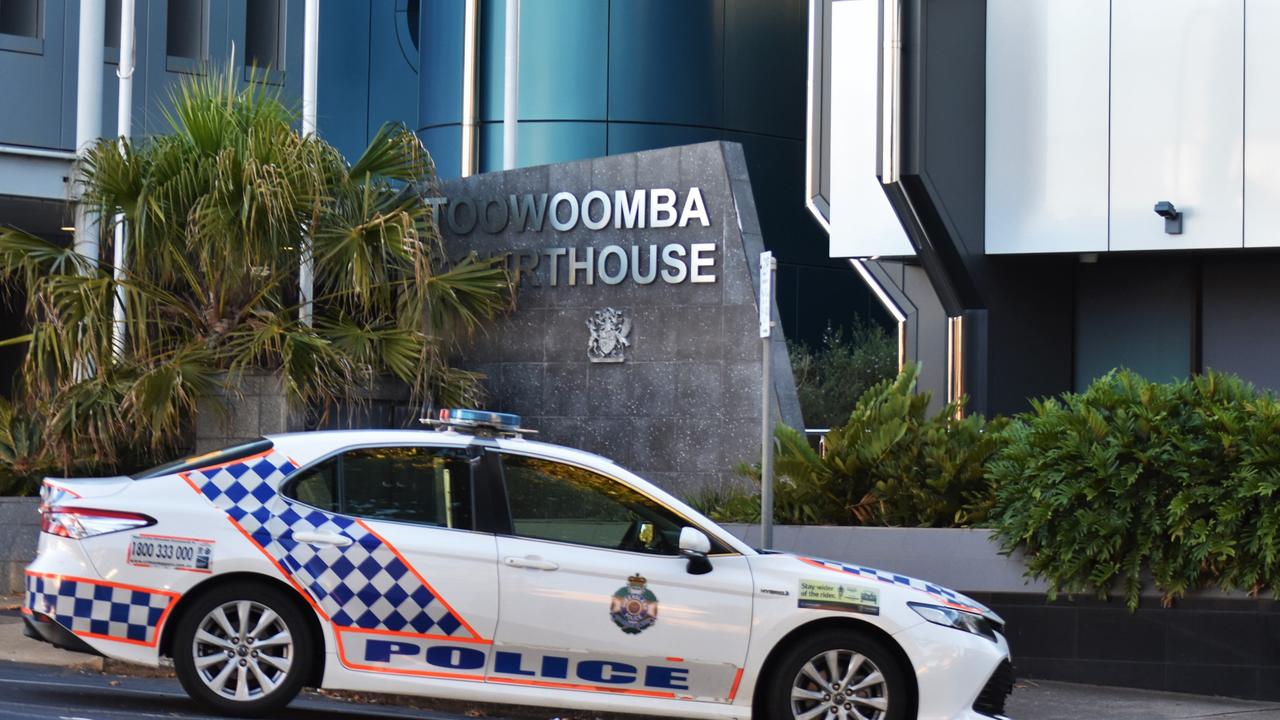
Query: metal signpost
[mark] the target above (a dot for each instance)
(767, 267)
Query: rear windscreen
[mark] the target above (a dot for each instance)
(217, 457)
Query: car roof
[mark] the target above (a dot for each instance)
(321, 442)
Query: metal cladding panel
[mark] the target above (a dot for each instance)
(863, 223)
(666, 62)
(1047, 125)
(440, 95)
(30, 72)
(1177, 120)
(1261, 124)
(542, 143)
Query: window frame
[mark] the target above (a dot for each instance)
(719, 548)
(27, 44)
(270, 74)
(478, 510)
(183, 63)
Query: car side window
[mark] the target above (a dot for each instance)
(317, 486)
(414, 484)
(565, 503)
(428, 486)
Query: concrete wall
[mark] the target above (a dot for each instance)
(684, 407)
(256, 406)
(19, 535)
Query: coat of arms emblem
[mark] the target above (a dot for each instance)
(634, 608)
(609, 330)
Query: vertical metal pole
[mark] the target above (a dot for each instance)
(767, 267)
(470, 72)
(124, 128)
(511, 95)
(310, 61)
(93, 17)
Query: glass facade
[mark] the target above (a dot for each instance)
(602, 77)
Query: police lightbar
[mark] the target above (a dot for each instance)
(482, 420)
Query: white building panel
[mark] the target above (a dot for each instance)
(863, 223)
(1047, 113)
(1177, 121)
(1262, 124)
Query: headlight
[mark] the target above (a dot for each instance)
(958, 619)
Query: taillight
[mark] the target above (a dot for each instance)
(77, 523)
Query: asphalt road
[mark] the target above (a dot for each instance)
(32, 691)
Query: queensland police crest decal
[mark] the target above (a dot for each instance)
(634, 608)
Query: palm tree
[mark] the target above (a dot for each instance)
(218, 213)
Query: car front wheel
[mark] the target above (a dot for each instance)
(243, 649)
(844, 675)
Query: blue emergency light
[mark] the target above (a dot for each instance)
(480, 420)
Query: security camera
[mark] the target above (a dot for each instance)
(1172, 217)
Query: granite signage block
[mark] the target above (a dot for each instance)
(636, 332)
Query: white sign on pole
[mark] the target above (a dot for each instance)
(766, 294)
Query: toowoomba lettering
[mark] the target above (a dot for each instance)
(643, 263)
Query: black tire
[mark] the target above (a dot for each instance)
(777, 702)
(258, 698)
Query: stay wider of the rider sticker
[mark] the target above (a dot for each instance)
(178, 553)
(823, 595)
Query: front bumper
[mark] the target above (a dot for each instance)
(955, 670)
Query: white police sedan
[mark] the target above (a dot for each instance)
(471, 564)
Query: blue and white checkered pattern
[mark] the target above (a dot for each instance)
(83, 606)
(937, 591)
(363, 585)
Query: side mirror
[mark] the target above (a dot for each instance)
(695, 545)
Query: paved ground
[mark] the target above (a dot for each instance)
(1043, 700)
(28, 692)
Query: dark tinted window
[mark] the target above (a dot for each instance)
(184, 32)
(431, 486)
(554, 501)
(111, 28)
(20, 17)
(263, 20)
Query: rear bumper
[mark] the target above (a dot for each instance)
(38, 626)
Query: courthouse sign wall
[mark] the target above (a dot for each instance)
(636, 328)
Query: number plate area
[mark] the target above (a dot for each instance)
(171, 552)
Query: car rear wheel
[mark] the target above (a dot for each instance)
(842, 674)
(243, 649)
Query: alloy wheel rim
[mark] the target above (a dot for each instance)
(841, 684)
(242, 650)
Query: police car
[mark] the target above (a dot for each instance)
(469, 563)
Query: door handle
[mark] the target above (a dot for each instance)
(531, 562)
(314, 538)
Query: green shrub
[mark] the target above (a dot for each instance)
(22, 459)
(831, 378)
(1178, 480)
(890, 464)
